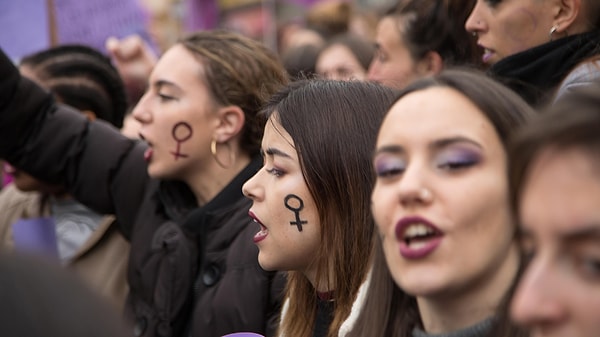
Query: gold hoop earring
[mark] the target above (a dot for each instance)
(213, 151)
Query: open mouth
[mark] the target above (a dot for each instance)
(417, 237)
(264, 231)
(488, 54)
(417, 234)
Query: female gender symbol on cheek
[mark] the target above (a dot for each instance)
(181, 132)
(296, 210)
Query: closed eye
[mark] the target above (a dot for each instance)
(275, 172)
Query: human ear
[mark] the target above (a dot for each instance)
(231, 122)
(566, 15)
(430, 64)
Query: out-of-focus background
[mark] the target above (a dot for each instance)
(31, 25)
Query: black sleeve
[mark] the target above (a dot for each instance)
(55, 143)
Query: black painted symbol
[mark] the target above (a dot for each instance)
(181, 132)
(296, 210)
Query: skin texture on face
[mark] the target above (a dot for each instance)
(337, 62)
(393, 64)
(176, 118)
(284, 206)
(438, 159)
(559, 293)
(507, 27)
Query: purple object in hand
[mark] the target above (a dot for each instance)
(243, 334)
(36, 235)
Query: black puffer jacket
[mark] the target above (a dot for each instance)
(192, 271)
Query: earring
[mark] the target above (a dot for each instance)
(552, 31)
(213, 151)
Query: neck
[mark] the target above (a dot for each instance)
(207, 184)
(462, 309)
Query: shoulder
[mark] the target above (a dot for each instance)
(583, 74)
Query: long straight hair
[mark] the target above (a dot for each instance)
(334, 126)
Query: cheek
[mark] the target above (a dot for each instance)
(381, 207)
(518, 28)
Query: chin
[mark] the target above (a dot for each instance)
(420, 286)
(266, 265)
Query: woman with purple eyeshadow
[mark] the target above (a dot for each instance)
(446, 258)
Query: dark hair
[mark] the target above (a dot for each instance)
(38, 298)
(300, 61)
(388, 311)
(572, 122)
(437, 25)
(238, 71)
(329, 18)
(362, 49)
(83, 78)
(333, 125)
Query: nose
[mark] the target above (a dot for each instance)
(251, 188)
(537, 302)
(373, 71)
(475, 22)
(413, 189)
(141, 111)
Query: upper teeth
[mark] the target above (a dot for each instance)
(417, 230)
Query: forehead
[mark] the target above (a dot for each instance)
(388, 32)
(178, 65)
(337, 53)
(276, 135)
(436, 112)
(561, 191)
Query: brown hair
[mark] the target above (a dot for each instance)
(388, 311)
(238, 71)
(572, 122)
(437, 25)
(333, 125)
(329, 18)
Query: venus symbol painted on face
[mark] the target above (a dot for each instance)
(295, 206)
(182, 132)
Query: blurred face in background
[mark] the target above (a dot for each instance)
(393, 65)
(559, 293)
(337, 62)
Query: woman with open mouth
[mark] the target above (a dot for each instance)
(311, 198)
(446, 257)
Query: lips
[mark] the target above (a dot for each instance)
(263, 233)
(488, 54)
(417, 237)
(149, 151)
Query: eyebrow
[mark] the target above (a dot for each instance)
(586, 233)
(589, 232)
(438, 144)
(164, 83)
(271, 151)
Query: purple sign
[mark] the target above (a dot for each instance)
(26, 27)
(36, 235)
(91, 22)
